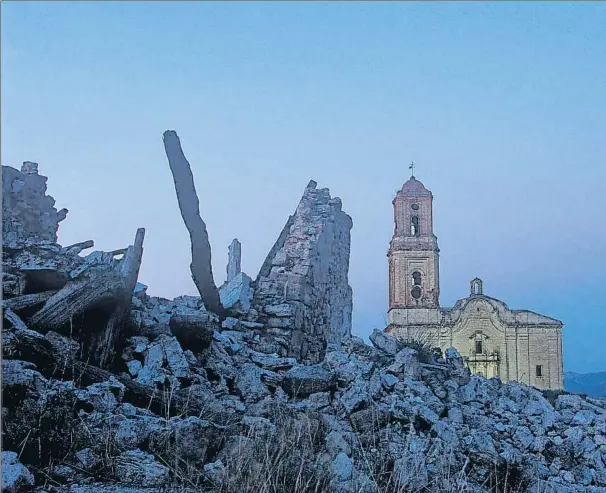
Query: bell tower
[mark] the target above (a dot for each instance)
(413, 251)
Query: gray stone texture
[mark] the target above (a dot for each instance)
(28, 214)
(302, 289)
(236, 294)
(234, 259)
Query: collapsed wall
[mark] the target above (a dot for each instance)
(52, 287)
(190, 395)
(302, 291)
(28, 214)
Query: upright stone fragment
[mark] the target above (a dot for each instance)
(28, 214)
(201, 268)
(234, 259)
(302, 289)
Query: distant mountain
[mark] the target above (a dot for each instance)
(592, 384)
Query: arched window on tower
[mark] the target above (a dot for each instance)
(416, 278)
(414, 226)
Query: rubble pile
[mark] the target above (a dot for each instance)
(160, 395)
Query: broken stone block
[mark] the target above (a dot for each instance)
(215, 471)
(163, 358)
(194, 332)
(385, 342)
(237, 294)
(152, 371)
(15, 476)
(140, 290)
(248, 383)
(138, 467)
(272, 361)
(193, 437)
(87, 458)
(406, 364)
(302, 381)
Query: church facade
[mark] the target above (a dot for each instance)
(493, 339)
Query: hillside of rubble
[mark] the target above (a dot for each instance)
(257, 385)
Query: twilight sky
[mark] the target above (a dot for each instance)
(501, 106)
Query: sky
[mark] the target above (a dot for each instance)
(501, 106)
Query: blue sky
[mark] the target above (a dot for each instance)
(501, 105)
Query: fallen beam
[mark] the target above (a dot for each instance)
(27, 300)
(77, 248)
(104, 343)
(99, 286)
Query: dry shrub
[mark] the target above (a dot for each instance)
(424, 345)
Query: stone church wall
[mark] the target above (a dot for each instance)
(509, 349)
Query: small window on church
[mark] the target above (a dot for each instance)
(414, 226)
(479, 347)
(539, 370)
(416, 278)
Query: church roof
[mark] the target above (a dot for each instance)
(415, 186)
(506, 314)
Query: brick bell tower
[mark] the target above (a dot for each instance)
(413, 251)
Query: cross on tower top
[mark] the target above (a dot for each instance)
(412, 169)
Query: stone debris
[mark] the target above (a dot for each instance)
(54, 288)
(278, 391)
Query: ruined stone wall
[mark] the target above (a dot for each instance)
(28, 214)
(302, 291)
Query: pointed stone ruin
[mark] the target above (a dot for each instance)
(302, 291)
(236, 293)
(234, 259)
(28, 214)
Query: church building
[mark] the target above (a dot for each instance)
(493, 339)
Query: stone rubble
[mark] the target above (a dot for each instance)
(200, 402)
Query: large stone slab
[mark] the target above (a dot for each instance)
(303, 284)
